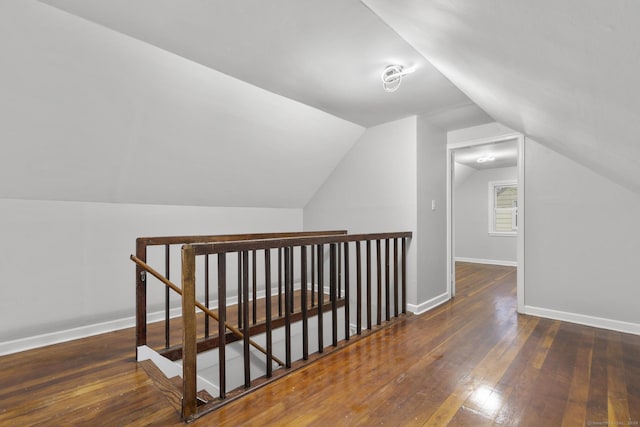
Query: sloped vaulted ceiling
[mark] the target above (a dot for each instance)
(328, 54)
(89, 114)
(566, 73)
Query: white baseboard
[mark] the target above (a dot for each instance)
(428, 305)
(56, 337)
(27, 343)
(581, 319)
(488, 261)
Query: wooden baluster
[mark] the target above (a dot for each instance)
(287, 308)
(304, 302)
(339, 294)
(279, 282)
(387, 283)
(239, 290)
(379, 278)
(189, 352)
(404, 275)
(267, 286)
(369, 284)
(347, 326)
(255, 286)
(291, 275)
(206, 294)
(395, 277)
(167, 304)
(333, 293)
(245, 319)
(358, 289)
(313, 274)
(222, 318)
(320, 257)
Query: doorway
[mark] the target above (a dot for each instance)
(485, 205)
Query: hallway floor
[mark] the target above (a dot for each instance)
(471, 362)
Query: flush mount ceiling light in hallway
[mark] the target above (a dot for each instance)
(392, 77)
(486, 159)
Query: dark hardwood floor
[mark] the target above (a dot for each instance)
(471, 362)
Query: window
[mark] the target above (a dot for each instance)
(503, 208)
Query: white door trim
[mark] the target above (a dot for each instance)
(451, 290)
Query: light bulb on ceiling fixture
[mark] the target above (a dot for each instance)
(392, 77)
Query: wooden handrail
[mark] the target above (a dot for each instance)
(247, 245)
(176, 240)
(171, 285)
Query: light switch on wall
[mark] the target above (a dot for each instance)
(433, 205)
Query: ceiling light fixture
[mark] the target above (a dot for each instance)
(392, 77)
(485, 159)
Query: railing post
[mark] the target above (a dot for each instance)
(291, 275)
(395, 277)
(339, 294)
(245, 319)
(320, 258)
(404, 275)
(254, 271)
(358, 288)
(239, 289)
(333, 293)
(279, 282)
(379, 280)
(304, 302)
(313, 274)
(222, 318)
(167, 305)
(141, 296)
(269, 337)
(369, 284)
(189, 352)
(387, 299)
(287, 305)
(347, 314)
(206, 294)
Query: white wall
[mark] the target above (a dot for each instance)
(471, 223)
(432, 224)
(582, 239)
(386, 183)
(583, 243)
(477, 132)
(373, 189)
(65, 264)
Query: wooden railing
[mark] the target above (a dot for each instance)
(359, 289)
(142, 247)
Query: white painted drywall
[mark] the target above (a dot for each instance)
(89, 114)
(432, 224)
(488, 130)
(583, 241)
(373, 189)
(65, 264)
(471, 223)
(461, 173)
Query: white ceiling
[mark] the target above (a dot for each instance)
(565, 73)
(90, 114)
(328, 54)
